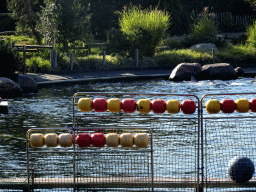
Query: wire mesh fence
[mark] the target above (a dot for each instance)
(190, 149)
(228, 152)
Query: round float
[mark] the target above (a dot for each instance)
(98, 140)
(83, 140)
(141, 140)
(37, 140)
(158, 106)
(213, 106)
(128, 105)
(99, 105)
(84, 104)
(173, 106)
(126, 140)
(227, 106)
(188, 107)
(112, 139)
(144, 105)
(114, 105)
(51, 140)
(242, 105)
(65, 140)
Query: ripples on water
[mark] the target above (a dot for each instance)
(52, 107)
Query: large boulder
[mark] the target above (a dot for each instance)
(204, 47)
(27, 84)
(222, 71)
(8, 88)
(184, 71)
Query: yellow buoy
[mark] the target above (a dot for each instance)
(114, 105)
(242, 105)
(144, 105)
(65, 140)
(37, 140)
(173, 106)
(141, 140)
(112, 139)
(84, 104)
(51, 140)
(212, 106)
(126, 140)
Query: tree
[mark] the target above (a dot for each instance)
(24, 12)
(68, 19)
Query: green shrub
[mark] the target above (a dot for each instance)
(204, 26)
(9, 59)
(251, 30)
(144, 28)
(41, 64)
(117, 42)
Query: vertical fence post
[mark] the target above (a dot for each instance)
(24, 58)
(71, 61)
(213, 55)
(104, 59)
(137, 58)
(34, 63)
(54, 60)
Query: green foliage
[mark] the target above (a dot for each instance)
(67, 21)
(42, 65)
(24, 12)
(9, 59)
(117, 42)
(144, 28)
(204, 26)
(251, 30)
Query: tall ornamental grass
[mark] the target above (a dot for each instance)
(144, 28)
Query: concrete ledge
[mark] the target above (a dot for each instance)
(100, 79)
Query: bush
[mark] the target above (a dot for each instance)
(9, 59)
(41, 64)
(144, 28)
(204, 26)
(117, 42)
(251, 30)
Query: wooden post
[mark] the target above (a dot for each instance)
(55, 60)
(104, 59)
(71, 61)
(137, 58)
(24, 59)
(213, 55)
(34, 62)
(89, 49)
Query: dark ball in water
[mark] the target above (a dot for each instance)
(240, 169)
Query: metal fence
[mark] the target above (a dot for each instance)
(225, 136)
(189, 148)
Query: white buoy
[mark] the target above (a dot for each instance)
(112, 139)
(141, 140)
(126, 140)
(37, 140)
(65, 140)
(51, 140)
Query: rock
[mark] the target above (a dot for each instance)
(204, 47)
(8, 88)
(28, 84)
(184, 71)
(222, 71)
(239, 71)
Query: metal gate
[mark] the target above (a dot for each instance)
(170, 161)
(228, 131)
